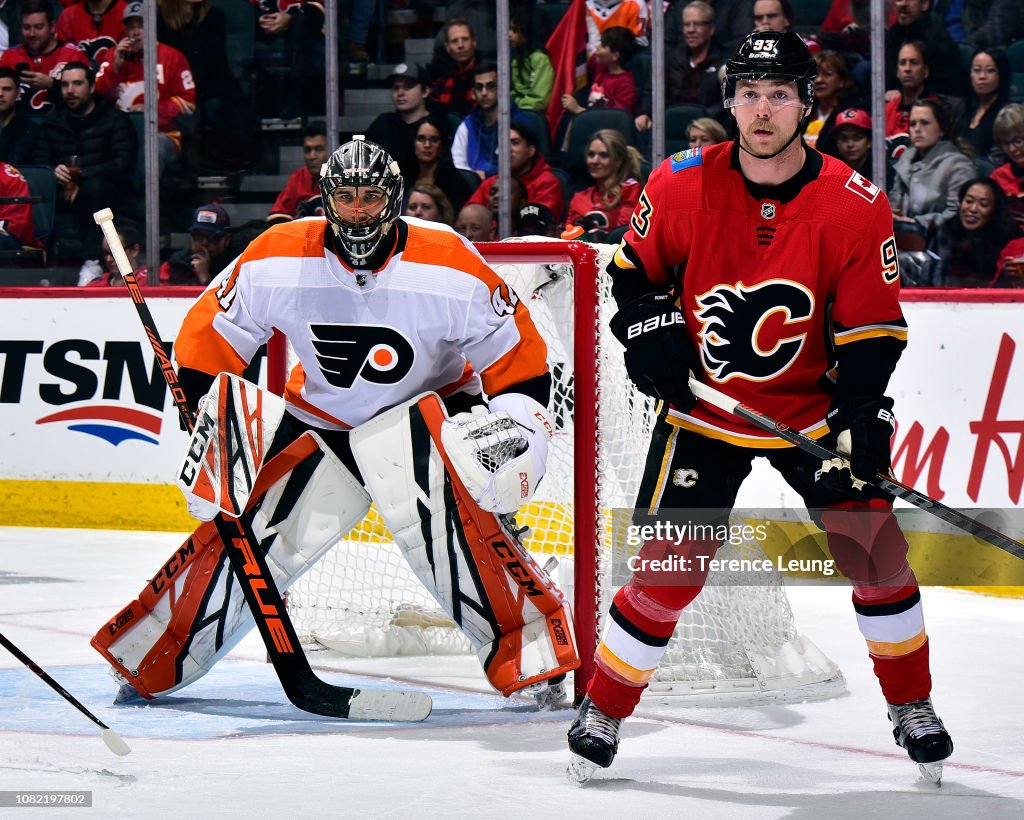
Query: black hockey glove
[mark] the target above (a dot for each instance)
(862, 436)
(659, 354)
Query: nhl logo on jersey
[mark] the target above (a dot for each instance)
(768, 210)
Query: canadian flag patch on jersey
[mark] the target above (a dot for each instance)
(862, 186)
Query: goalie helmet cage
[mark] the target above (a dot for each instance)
(737, 641)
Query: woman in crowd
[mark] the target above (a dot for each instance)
(705, 131)
(432, 147)
(615, 168)
(429, 202)
(929, 174)
(1009, 136)
(533, 77)
(834, 91)
(982, 247)
(989, 92)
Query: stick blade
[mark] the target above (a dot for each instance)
(115, 742)
(370, 704)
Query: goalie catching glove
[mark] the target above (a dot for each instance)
(863, 439)
(500, 453)
(659, 355)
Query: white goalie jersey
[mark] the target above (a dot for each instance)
(434, 318)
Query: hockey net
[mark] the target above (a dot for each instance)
(735, 640)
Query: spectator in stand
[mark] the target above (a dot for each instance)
(929, 174)
(40, 58)
(733, 23)
(475, 147)
(691, 68)
(529, 166)
(16, 228)
(915, 21)
(834, 91)
(989, 92)
(475, 222)
(453, 75)
(92, 25)
(121, 78)
(602, 15)
(301, 194)
(611, 83)
(982, 247)
(850, 141)
(705, 131)
(131, 241)
(533, 76)
(359, 15)
(209, 251)
(198, 30)
(395, 131)
(17, 129)
(10, 25)
(434, 166)
(913, 73)
(847, 28)
(289, 55)
(102, 138)
(430, 203)
(778, 15)
(518, 197)
(534, 219)
(993, 23)
(614, 166)
(1009, 135)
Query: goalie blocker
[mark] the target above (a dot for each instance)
(303, 500)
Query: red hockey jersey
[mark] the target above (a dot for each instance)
(769, 288)
(176, 90)
(91, 33)
(40, 100)
(16, 217)
(299, 197)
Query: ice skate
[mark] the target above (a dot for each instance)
(593, 740)
(918, 729)
(548, 694)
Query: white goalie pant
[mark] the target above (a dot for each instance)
(193, 612)
(511, 612)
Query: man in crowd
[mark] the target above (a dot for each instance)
(395, 131)
(301, 195)
(475, 222)
(40, 58)
(452, 74)
(102, 141)
(209, 249)
(17, 130)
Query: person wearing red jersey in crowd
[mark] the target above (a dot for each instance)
(529, 166)
(40, 58)
(611, 84)
(92, 25)
(614, 165)
(301, 195)
(16, 227)
(724, 241)
(1008, 132)
(121, 79)
(131, 241)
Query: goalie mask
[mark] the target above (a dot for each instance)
(771, 55)
(361, 186)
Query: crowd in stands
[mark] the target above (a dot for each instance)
(71, 78)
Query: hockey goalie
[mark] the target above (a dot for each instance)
(401, 329)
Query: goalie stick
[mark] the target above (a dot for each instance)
(303, 688)
(110, 737)
(883, 482)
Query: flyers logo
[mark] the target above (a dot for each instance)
(747, 331)
(374, 353)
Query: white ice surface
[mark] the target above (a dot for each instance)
(232, 746)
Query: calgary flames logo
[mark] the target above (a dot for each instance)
(740, 333)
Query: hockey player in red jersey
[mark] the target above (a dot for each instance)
(769, 270)
(383, 312)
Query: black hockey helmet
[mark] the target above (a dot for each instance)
(771, 55)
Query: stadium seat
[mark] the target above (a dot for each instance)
(966, 55)
(1015, 53)
(810, 14)
(677, 120)
(472, 178)
(586, 123)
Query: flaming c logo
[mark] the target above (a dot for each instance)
(737, 338)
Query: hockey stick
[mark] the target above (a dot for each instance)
(884, 482)
(110, 737)
(303, 688)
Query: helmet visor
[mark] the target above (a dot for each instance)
(778, 93)
(358, 206)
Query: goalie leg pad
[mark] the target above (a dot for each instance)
(192, 612)
(512, 613)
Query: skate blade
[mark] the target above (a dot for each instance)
(126, 695)
(932, 772)
(580, 769)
